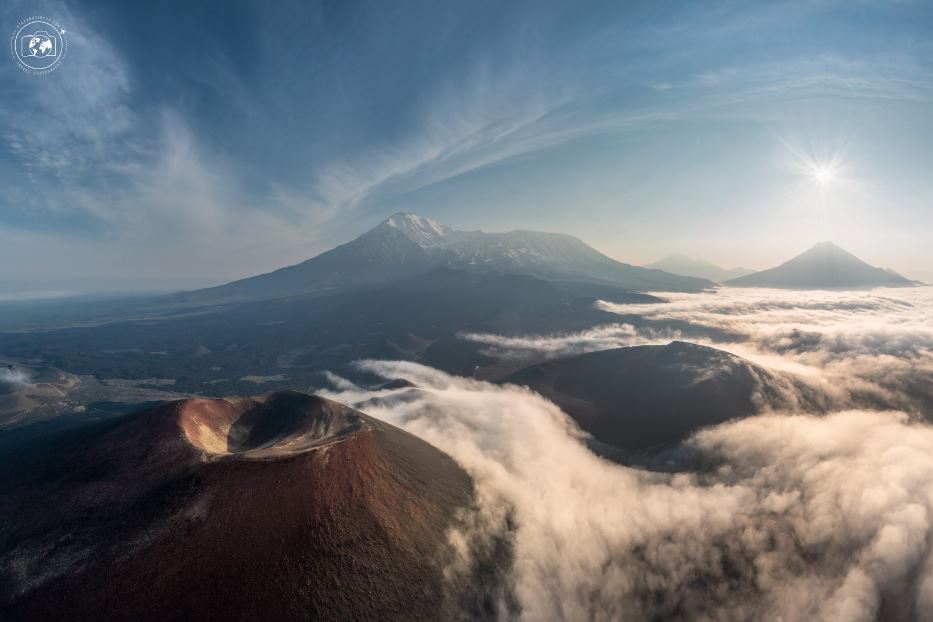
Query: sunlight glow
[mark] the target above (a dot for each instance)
(820, 189)
(824, 174)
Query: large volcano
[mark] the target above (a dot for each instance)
(405, 244)
(282, 507)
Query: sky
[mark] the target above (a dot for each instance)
(182, 145)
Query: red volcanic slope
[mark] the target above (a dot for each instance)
(279, 508)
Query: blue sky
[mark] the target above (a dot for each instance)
(181, 145)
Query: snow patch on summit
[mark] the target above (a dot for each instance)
(424, 232)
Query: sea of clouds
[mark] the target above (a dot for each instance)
(782, 516)
(869, 348)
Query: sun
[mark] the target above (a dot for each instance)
(824, 175)
(824, 171)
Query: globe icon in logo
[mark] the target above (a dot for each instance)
(41, 45)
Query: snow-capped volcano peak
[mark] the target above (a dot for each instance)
(422, 231)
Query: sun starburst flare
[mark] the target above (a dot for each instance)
(820, 173)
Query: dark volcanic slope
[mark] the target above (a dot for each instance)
(381, 254)
(289, 507)
(634, 398)
(824, 266)
(290, 341)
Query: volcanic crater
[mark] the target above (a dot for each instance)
(285, 506)
(277, 425)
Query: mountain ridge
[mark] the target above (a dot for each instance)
(405, 244)
(678, 263)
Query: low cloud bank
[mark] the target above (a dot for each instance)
(12, 379)
(773, 517)
(881, 321)
(876, 346)
(567, 344)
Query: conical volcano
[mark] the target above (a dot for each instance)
(824, 266)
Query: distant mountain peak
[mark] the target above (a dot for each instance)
(828, 251)
(422, 231)
(684, 265)
(828, 246)
(824, 265)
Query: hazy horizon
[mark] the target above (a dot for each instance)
(15, 291)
